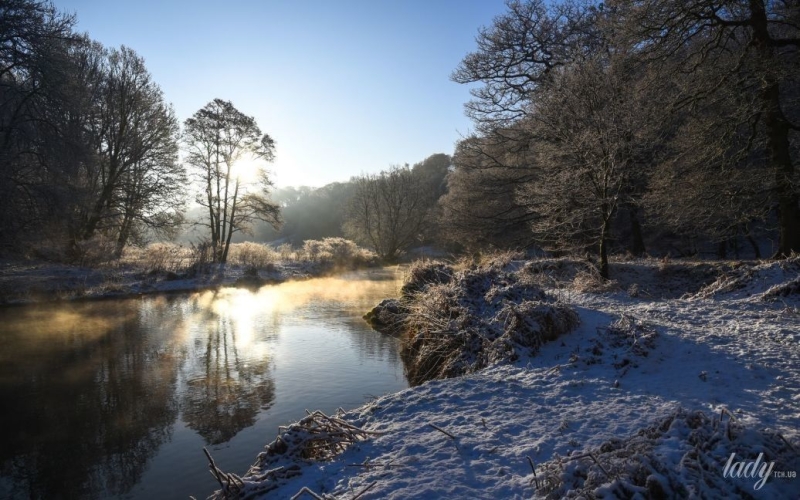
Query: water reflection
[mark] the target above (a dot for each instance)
(94, 393)
(89, 405)
(224, 392)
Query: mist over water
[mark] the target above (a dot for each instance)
(117, 398)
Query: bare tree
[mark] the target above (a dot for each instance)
(713, 182)
(87, 144)
(217, 137)
(388, 211)
(593, 135)
(518, 52)
(748, 45)
(481, 207)
(134, 176)
(34, 44)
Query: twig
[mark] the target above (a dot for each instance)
(213, 467)
(443, 431)
(365, 490)
(590, 455)
(305, 489)
(533, 469)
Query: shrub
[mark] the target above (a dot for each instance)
(164, 257)
(201, 255)
(336, 252)
(252, 255)
(286, 252)
(94, 251)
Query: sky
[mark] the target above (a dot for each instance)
(344, 87)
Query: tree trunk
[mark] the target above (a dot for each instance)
(124, 234)
(754, 244)
(777, 128)
(604, 247)
(97, 211)
(224, 258)
(637, 241)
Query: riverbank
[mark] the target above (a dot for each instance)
(170, 268)
(674, 372)
(32, 282)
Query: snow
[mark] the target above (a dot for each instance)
(24, 283)
(663, 388)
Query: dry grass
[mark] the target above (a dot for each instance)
(335, 252)
(421, 274)
(252, 255)
(461, 322)
(639, 466)
(317, 437)
(590, 281)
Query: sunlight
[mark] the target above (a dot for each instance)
(247, 168)
(240, 307)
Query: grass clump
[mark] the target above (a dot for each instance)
(252, 255)
(336, 252)
(680, 456)
(459, 322)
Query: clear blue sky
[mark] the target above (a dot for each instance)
(344, 87)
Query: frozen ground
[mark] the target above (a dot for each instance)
(22, 282)
(648, 398)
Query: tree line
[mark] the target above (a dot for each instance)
(598, 123)
(89, 148)
(639, 126)
(389, 212)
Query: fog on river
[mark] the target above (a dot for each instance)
(118, 397)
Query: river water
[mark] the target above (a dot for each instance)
(117, 398)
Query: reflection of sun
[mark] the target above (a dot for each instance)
(239, 308)
(247, 168)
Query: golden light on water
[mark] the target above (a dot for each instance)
(248, 310)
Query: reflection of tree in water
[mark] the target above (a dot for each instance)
(88, 398)
(225, 393)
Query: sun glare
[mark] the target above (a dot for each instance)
(247, 168)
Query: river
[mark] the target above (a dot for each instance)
(117, 398)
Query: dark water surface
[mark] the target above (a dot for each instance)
(117, 398)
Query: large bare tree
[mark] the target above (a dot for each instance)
(218, 137)
(593, 137)
(518, 52)
(131, 179)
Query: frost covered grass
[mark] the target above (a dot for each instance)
(650, 396)
(461, 321)
(338, 253)
(169, 267)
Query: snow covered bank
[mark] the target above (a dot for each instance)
(647, 397)
(23, 283)
(169, 267)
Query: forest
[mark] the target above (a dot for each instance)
(623, 127)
